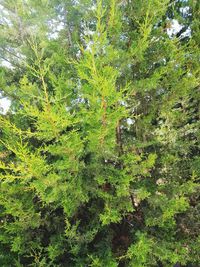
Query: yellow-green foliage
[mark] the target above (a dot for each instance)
(99, 151)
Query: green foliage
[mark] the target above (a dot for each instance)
(99, 151)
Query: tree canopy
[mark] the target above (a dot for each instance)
(99, 151)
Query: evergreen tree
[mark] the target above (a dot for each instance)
(99, 152)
